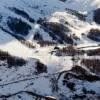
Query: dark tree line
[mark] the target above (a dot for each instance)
(11, 60)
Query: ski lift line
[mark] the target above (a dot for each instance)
(38, 96)
(31, 78)
(18, 81)
(89, 46)
(35, 78)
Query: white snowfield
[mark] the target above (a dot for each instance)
(13, 46)
(18, 80)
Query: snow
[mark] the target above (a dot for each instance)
(13, 46)
(43, 84)
(55, 11)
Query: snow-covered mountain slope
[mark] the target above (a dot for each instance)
(76, 16)
(59, 43)
(79, 5)
(13, 46)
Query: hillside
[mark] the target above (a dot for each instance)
(50, 50)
